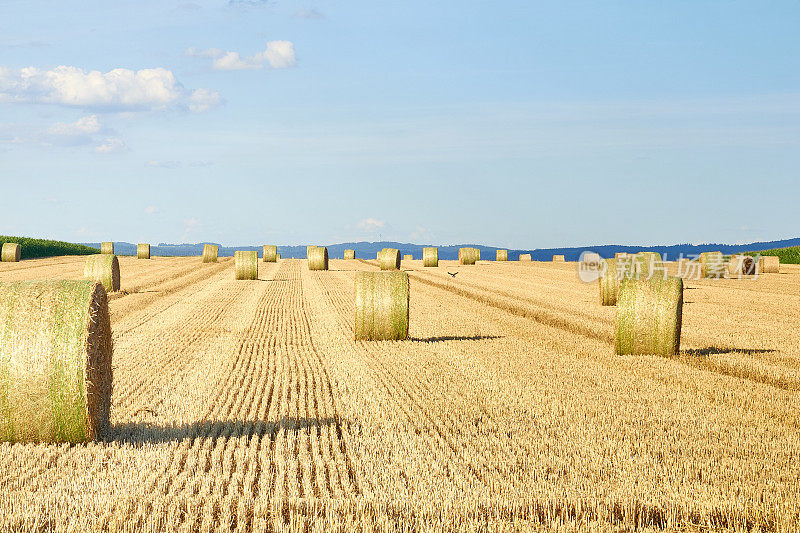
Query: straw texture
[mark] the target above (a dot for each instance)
(611, 280)
(210, 253)
(107, 248)
(649, 315)
(501, 255)
(408, 257)
(389, 259)
(55, 362)
(558, 259)
(246, 264)
(712, 265)
(770, 264)
(524, 257)
(430, 256)
(270, 253)
(649, 265)
(318, 258)
(102, 268)
(382, 303)
(468, 256)
(143, 251)
(349, 254)
(11, 252)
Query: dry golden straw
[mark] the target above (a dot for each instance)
(107, 248)
(501, 255)
(349, 254)
(741, 265)
(558, 259)
(622, 255)
(277, 257)
(430, 256)
(712, 265)
(649, 314)
(408, 257)
(210, 253)
(143, 251)
(11, 252)
(55, 361)
(270, 253)
(648, 265)
(382, 303)
(389, 259)
(246, 264)
(524, 257)
(318, 258)
(308, 250)
(468, 256)
(103, 268)
(611, 280)
(770, 264)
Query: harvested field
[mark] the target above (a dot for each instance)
(249, 405)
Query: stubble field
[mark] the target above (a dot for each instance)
(247, 405)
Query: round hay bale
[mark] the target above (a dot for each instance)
(558, 259)
(270, 253)
(349, 254)
(55, 360)
(308, 250)
(143, 251)
(278, 257)
(382, 303)
(622, 255)
(389, 259)
(648, 265)
(318, 258)
(501, 255)
(107, 248)
(649, 315)
(430, 256)
(770, 264)
(210, 253)
(408, 257)
(712, 265)
(610, 281)
(102, 268)
(468, 256)
(11, 252)
(246, 264)
(525, 257)
(741, 265)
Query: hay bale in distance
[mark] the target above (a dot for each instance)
(622, 255)
(741, 265)
(246, 264)
(649, 315)
(270, 253)
(210, 253)
(318, 258)
(501, 255)
(142, 251)
(389, 259)
(611, 279)
(278, 257)
(11, 252)
(55, 360)
(712, 265)
(349, 254)
(408, 257)
(107, 248)
(648, 265)
(468, 256)
(770, 264)
(525, 257)
(102, 268)
(430, 256)
(558, 259)
(382, 303)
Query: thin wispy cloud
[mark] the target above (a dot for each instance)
(119, 89)
(110, 146)
(163, 164)
(370, 224)
(277, 55)
(310, 14)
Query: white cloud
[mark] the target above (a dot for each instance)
(311, 14)
(278, 54)
(111, 145)
(83, 126)
(116, 90)
(370, 224)
(151, 209)
(203, 100)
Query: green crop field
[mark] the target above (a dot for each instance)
(789, 255)
(33, 248)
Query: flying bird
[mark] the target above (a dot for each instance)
(453, 273)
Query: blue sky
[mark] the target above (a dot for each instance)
(520, 124)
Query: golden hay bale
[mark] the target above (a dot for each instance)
(246, 264)
(103, 268)
(278, 257)
(270, 253)
(430, 256)
(210, 253)
(389, 259)
(712, 265)
(107, 248)
(558, 259)
(741, 265)
(468, 256)
(308, 249)
(349, 254)
(501, 255)
(318, 258)
(770, 264)
(649, 316)
(143, 251)
(408, 257)
(55, 360)
(11, 252)
(382, 303)
(610, 280)
(622, 255)
(525, 257)
(648, 265)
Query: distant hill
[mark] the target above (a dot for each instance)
(368, 250)
(32, 248)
